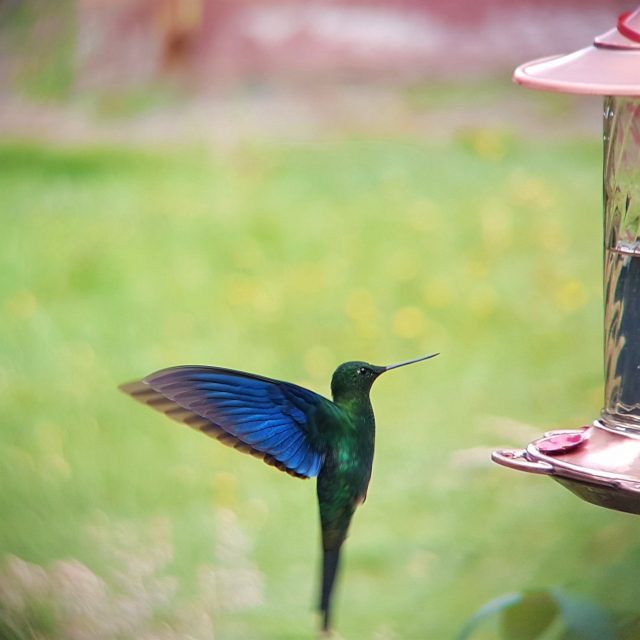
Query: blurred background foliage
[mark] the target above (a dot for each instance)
(251, 218)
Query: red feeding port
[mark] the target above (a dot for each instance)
(562, 442)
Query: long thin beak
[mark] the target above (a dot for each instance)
(402, 364)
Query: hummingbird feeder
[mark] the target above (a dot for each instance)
(601, 462)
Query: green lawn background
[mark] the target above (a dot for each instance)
(287, 259)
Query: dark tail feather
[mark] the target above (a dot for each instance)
(330, 560)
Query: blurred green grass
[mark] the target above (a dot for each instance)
(286, 260)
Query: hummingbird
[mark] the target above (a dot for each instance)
(289, 427)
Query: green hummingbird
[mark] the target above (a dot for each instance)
(289, 427)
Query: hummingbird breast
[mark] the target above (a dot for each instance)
(345, 474)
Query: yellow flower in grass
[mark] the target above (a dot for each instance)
(488, 144)
(483, 301)
(362, 310)
(571, 295)
(409, 322)
(241, 291)
(438, 292)
(225, 488)
(21, 305)
(530, 192)
(496, 223)
(319, 361)
(551, 235)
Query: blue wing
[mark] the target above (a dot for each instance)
(276, 421)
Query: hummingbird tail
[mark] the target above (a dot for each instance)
(330, 560)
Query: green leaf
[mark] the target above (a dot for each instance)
(584, 619)
(530, 617)
(486, 611)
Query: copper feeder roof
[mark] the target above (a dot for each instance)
(601, 463)
(609, 67)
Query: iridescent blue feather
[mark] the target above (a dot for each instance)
(277, 421)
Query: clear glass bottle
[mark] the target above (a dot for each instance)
(622, 264)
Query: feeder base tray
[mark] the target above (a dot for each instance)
(598, 464)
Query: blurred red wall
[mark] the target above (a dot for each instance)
(212, 42)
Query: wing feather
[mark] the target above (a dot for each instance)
(273, 420)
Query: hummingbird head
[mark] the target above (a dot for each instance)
(355, 378)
